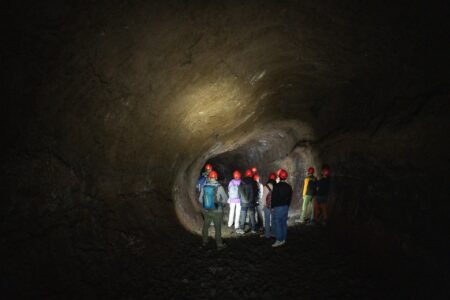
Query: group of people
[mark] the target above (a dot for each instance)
(267, 205)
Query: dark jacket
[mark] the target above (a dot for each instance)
(323, 187)
(281, 194)
(247, 192)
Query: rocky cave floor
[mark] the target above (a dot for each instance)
(312, 265)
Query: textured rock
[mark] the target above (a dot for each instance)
(112, 108)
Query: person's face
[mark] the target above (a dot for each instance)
(278, 179)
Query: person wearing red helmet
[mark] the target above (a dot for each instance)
(309, 188)
(213, 197)
(278, 175)
(281, 199)
(204, 177)
(247, 194)
(254, 171)
(234, 200)
(321, 198)
(272, 177)
(266, 204)
(259, 208)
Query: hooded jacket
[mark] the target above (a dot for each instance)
(234, 183)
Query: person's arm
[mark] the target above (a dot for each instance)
(264, 196)
(200, 197)
(222, 195)
(275, 196)
(290, 192)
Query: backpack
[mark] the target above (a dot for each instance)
(233, 192)
(209, 197)
(269, 197)
(200, 183)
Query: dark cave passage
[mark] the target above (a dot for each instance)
(112, 108)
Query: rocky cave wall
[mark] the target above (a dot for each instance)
(113, 107)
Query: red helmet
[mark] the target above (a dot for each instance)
(237, 175)
(256, 177)
(272, 176)
(283, 174)
(212, 175)
(248, 173)
(311, 170)
(208, 167)
(278, 172)
(254, 170)
(326, 172)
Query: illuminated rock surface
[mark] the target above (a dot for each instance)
(112, 109)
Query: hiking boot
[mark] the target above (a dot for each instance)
(240, 231)
(253, 231)
(299, 221)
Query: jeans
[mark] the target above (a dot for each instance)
(267, 230)
(279, 221)
(251, 210)
(216, 217)
(235, 210)
(259, 214)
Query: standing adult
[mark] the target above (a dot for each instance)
(266, 204)
(203, 177)
(309, 189)
(281, 199)
(259, 208)
(213, 197)
(247, 196)
(234, 200)
(321, 198)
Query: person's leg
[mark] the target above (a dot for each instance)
(267, 222)
(277, 223)
(217, 219)
(285, 211)
(231, 214)
(306, 202)
(259, 209)
(311, 210)
(238, 215)
(206, 222)
(243, 217)
(252, 217)
(316, 210)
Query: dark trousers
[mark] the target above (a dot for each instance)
(216, 217)
(251, 210)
